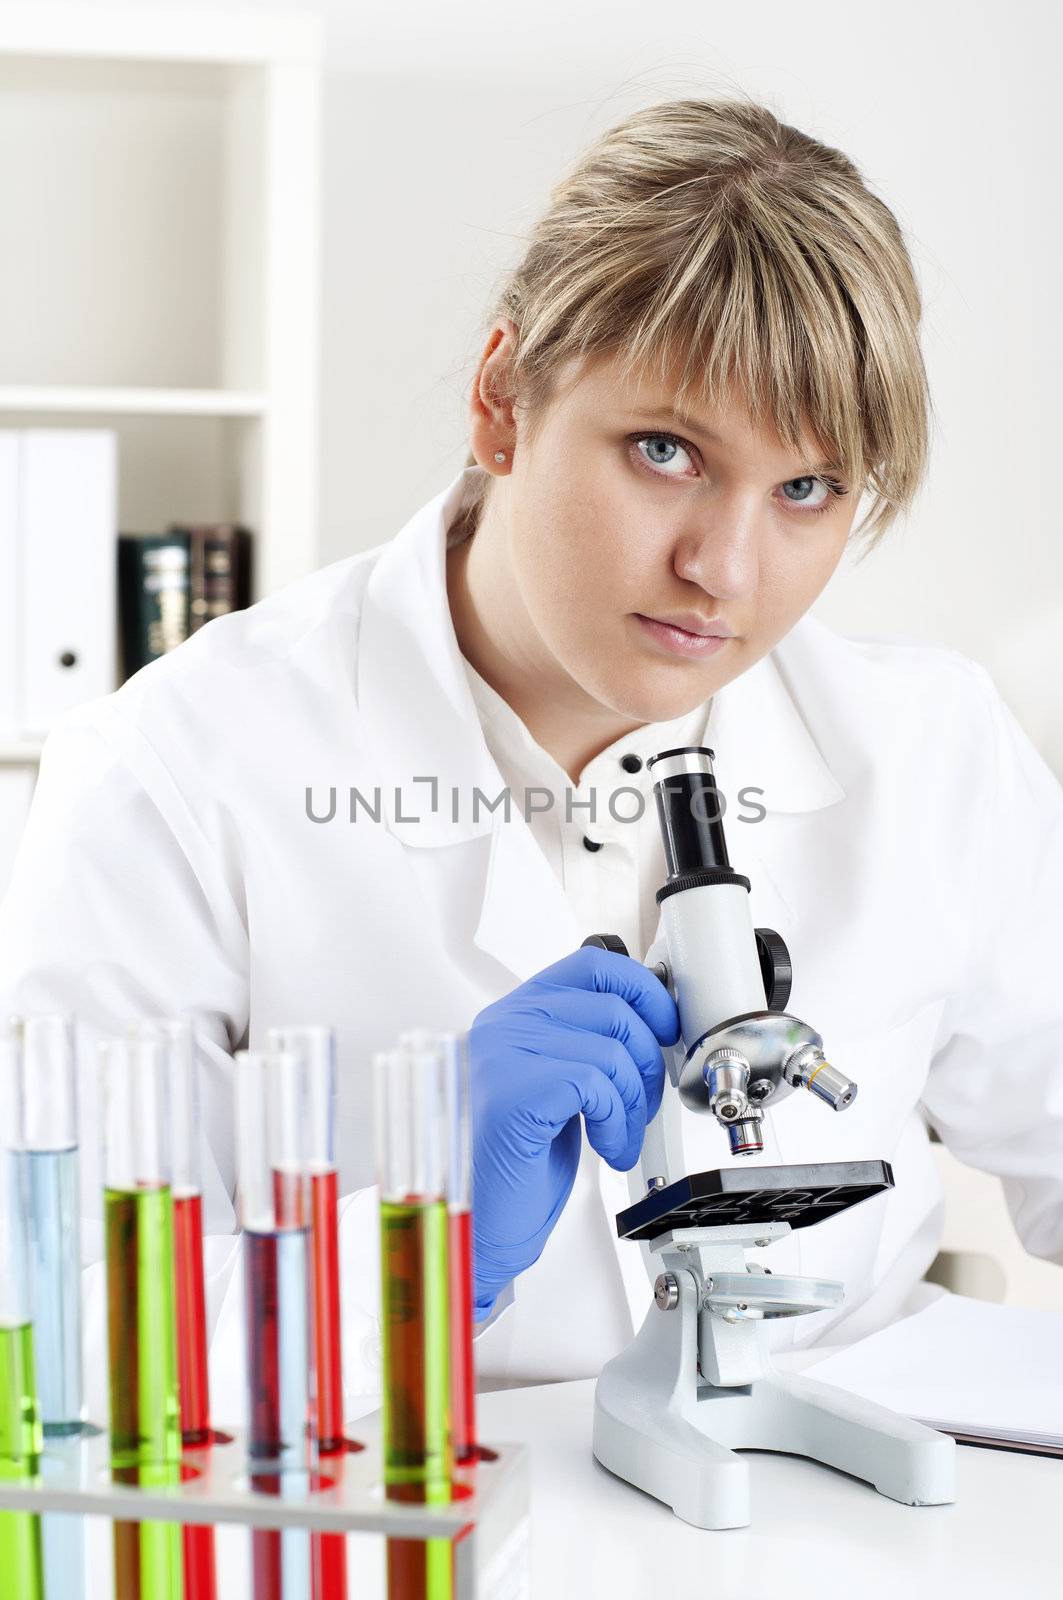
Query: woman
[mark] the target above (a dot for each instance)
(705, 363)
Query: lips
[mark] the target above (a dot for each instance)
(690, 622)
(678, 641)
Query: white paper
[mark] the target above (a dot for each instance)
(965, 1364)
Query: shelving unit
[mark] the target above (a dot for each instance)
(135, 402)
(20, 752)
(159, 264)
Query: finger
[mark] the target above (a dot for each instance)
(609, 1124)
(611, 1017)
(581, 1086)
(608, 972)
(612, 1058)
(550, 1105)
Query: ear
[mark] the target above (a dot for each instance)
(492, 425)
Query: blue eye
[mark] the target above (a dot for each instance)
(809, 483)
(658, 460)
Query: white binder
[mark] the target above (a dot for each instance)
(69, 538)
(10, 688)
(16, 793)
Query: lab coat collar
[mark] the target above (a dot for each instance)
(415, 706)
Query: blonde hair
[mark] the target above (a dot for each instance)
(708, 237)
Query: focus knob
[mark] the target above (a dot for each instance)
(775, 968)
(606, 941)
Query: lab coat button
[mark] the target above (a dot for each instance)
(591, 844)
(631, 763)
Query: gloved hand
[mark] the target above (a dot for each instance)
(583, 1035)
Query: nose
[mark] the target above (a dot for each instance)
(720, 550)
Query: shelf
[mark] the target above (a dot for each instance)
(160, 172)
(145, 402)
(146, 34)
(20, 752)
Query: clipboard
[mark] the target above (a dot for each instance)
(995, 1441)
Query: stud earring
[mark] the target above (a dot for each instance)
(500, 455)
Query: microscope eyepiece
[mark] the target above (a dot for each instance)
(684, 758)
(690, 810)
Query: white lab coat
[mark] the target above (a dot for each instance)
(911, 857)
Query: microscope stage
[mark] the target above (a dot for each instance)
(799, 1195)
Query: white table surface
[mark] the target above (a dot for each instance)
(816, 1533)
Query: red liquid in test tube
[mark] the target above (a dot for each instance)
(200, 1579)
(462, 1368)
(193, 1391)
(325, 1227)
(328, 1552)
(459, 1208)
(191, 1319)
(314, 1046)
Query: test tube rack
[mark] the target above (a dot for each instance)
(487, 1520)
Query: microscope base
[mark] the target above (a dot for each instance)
(658, 1425)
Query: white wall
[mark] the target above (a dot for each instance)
(446, 128)
(446, 123)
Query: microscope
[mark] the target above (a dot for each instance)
(698, 1383)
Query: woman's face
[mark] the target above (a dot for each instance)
(619, 518)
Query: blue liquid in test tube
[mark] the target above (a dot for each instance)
(46, 1156)
(49, 1182)
(45, 1162)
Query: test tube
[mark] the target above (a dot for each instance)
(455, 1065)
(193, 1389)
(273, 1194)
(413, 1152)
(46, 1157)
(314, 1046)
(21, 1551)
(45, 1133)
(145, 1419)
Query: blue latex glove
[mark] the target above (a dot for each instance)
(582, 1036)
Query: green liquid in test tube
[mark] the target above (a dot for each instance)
(21, 1554)
(413, 1144)
(453, 1049)
(416, 1397)
(190, 1310)
(141, 1331)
